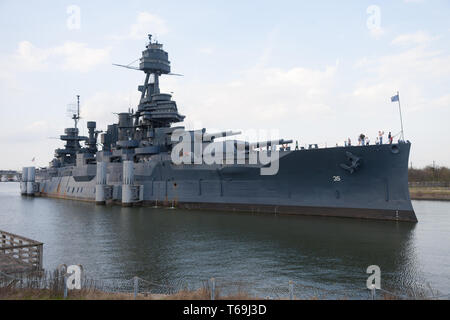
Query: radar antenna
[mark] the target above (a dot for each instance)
(129, 66)
(76, 113)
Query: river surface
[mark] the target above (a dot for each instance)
(261, 253)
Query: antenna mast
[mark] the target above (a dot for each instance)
(76, 116)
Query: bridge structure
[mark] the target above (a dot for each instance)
(10, 175)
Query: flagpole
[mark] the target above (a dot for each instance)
(400, 110)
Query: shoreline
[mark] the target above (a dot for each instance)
(430, 193)
(200, 294)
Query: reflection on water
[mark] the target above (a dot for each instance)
(264, 251)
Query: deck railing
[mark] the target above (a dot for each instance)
(20, 253)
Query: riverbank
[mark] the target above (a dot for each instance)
(200, 294)
(49, 294)
(430, 193)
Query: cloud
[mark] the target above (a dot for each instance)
(417, 38)
(70, 56)
(441, 102)
(34, 140)
(78, 57)
(377, 32)
(30, 132)
(258, 98)
(32, 58)
(102, 105)
(37, 125)
(422, 75)
(206, 50)
(417, 64)
(147, 23)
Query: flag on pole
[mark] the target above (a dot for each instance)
(395, 98)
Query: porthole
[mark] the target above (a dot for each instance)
(395, 149)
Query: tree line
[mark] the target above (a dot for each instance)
(429, 173)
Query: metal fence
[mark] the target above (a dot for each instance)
(54, 285)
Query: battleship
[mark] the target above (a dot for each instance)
(138, 161)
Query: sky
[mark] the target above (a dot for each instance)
(313, 71)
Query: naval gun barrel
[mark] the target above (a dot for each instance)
(269, 143)
(209, 137)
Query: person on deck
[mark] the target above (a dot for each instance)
(380, 135)
(361, 139)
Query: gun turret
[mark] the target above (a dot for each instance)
(209, 137)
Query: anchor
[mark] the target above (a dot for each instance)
(355, 163)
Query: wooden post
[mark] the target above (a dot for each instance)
(373, 291)
(213, 288)
(41, 256)
(65, 285)
(291, 290)
(136, 286)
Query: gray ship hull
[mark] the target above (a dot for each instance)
(309, 182)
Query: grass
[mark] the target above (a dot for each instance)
(429, 193)
(46, 294)
(50, 286)
(199, 294)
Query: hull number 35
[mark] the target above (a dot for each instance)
(336, 178)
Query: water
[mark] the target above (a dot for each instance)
(262, 251)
